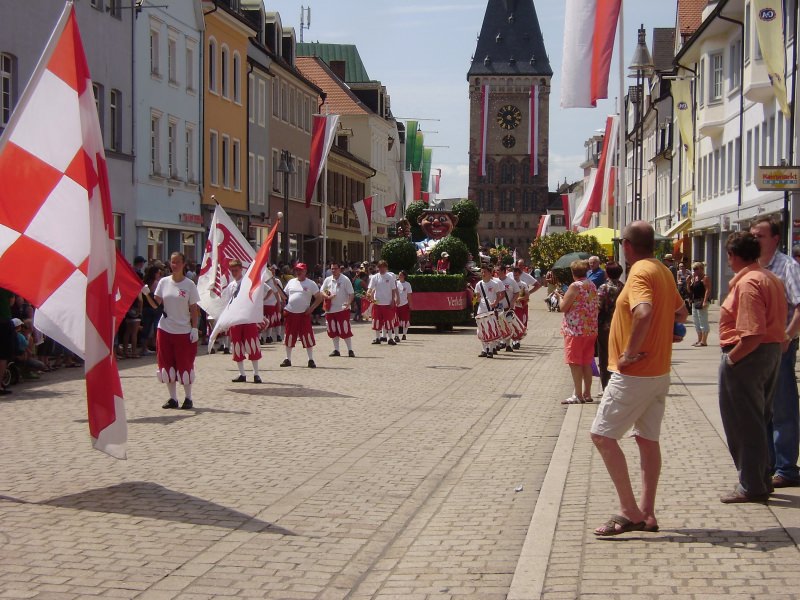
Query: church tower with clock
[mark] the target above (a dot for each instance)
(509, 91)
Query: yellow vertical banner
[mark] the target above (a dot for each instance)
(683, 108)
(768, 17)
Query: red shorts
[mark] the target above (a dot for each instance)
(522, 315)
(339, 324)
(298, 328)
(404, 315)
(175, 355)
(579, 349)
(244, 341)
(273, 315)
(383, 317)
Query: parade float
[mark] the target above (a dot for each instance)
(436, 246)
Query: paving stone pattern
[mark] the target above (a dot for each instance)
(391, 475)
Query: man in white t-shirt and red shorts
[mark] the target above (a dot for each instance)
(337, 290)
(302, 297)
(382, 292)
(243, 338)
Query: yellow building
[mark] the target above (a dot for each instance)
(225, 115)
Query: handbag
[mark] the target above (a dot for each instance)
(697, 304)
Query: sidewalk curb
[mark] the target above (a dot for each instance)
(531, 569)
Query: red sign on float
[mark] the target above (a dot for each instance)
(438, 301)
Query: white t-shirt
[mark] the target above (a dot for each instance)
(299, 294)
(403, 290)
(523, 287)
(270, 299)
(490, 288)
(177, 298)
(383, 284)
(341, 289)
(528, 279)
(512, 289)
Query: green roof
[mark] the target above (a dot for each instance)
(354, 68)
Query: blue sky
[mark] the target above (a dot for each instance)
(421, 52)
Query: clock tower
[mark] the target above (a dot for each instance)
(509, 91)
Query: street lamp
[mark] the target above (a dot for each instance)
(641, 67)
(286, 167)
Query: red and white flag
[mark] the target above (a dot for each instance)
(127, 287)
(412, 181)
(363, 210)
(565, 204)
(390, 209)
(323, 133)
(437, 177)
(56, 220)
(533, 134)
(590, 27)
(426, 197)
(544, 225)
(247, 303)
(600, 194)
(484, 134)
(582, 202)
(225, 243)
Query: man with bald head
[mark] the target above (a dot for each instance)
(639, 357)
(595, 274)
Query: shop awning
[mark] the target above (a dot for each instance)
(679, 227)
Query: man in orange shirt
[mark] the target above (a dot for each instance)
(639, 357)
(752, 322)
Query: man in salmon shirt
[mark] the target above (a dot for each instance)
(639, 357)
(752, 322)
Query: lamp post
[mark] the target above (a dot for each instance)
(641, 68)
(286, 167)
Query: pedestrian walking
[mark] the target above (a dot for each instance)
(338, 294)
(700, 291)
(607, 296)
(639, 356)
(244, 337)
(382, 292)
(404, 293)
(751, 329)
(302, 297)
(177, 335)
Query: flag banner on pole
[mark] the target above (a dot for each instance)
(565, 204)
(56, 220)
(411, 141)
(769, 28)
(246, 304)
(390, 209)
(427, 159)
(363, 210)
(683, 106)
(426, 197)
(484, 131)
(419, 151)
(544, 225)
(413, 184)
(590, 27)
(225, 243)
(127, 287)
(598, 195)
(533, 133)
(582, 201)
(437, 178)
(322, 136)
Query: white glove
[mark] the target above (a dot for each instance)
(146, 290)
(194, 335)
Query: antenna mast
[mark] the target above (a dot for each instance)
(305, 20)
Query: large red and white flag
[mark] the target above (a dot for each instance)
(412, 180)
(390, 209)
(533, 133)
(323, 133)
(590, 27)
(565, 205)
(225, 243)
(363, 210)
(484, 133)
(56, 220)
(581, 200)
(600, 194)
(246, 305)
(544, 225)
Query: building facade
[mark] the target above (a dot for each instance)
(511, 60)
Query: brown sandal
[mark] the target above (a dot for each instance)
(610, 528)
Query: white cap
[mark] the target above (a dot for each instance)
(16, 322)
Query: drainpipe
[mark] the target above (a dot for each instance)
(786, 212)
(247, 139)
(741, 111)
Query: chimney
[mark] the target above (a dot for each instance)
(338, 67)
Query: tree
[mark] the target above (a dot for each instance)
(547, 249)
(400, 254)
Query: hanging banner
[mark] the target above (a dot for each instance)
(768, 16)
(411, 142)
(683, 108)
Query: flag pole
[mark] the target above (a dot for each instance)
(325, 217)
(621, 205)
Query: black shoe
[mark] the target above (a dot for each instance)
(495, 351)
(4, 391)
(482, 355)
(383, 339)
(226, 351)
(334, 353)
(171, 403)
(509, 349)
(187, 404)
(279, 338)
(397, 338)
(404, 336)
(286, 363)
(256, 379)
(392, 342)
(212, 351)
(312, 364)
(376, 342)
(269, 339)
(516, 346)
(490, 355)
(239, 379)
(351, 354)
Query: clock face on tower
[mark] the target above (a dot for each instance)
(509, 141)
(509, 117)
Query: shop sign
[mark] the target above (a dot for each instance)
(191, 218)
(777, 178)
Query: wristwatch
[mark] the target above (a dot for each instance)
(729, 360)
